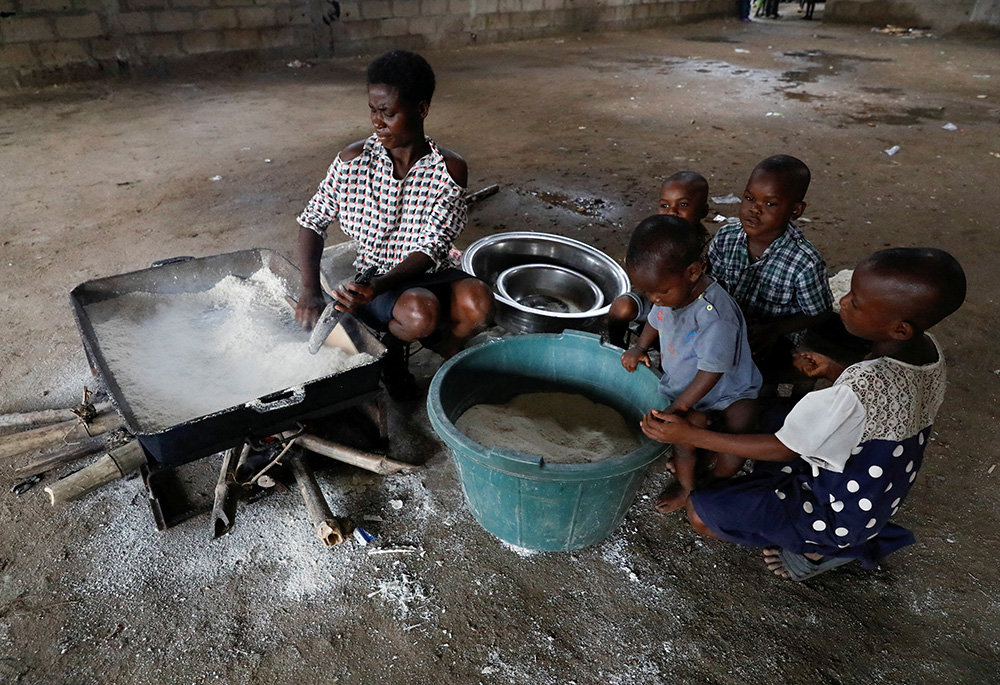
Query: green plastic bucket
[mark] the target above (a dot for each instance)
(518, 497)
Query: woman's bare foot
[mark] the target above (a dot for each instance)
(673, 498)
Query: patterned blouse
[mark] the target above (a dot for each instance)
(390, 218)
(789, 278)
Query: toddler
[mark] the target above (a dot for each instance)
(707, 370)
(684, 194)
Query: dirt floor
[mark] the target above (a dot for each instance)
(104, 178)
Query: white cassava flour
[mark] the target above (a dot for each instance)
(561, 427)
(177, 357)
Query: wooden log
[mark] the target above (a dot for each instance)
(33, 419)
(366, 460)
(115, 464)
(62, 455)
(322, 519)
(57, 434)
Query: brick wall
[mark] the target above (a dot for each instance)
(50, 40)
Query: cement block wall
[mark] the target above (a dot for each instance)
(942, 16)
(51, 40)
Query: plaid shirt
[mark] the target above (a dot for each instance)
(789, 278)
(390, 218)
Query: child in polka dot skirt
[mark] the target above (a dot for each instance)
(825, 486)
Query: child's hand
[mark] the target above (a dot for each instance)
(816, 365)
(664, 426)
(633, 357)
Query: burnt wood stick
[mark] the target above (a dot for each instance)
(366, 460)
(33, 419)
(480, 195)
(117, 463)
(322, 519)
(226, 494)
(63, 455)
(57, 434)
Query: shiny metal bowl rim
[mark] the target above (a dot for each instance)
(513, 271)
(614, 267)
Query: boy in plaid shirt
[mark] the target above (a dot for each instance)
(769, 267)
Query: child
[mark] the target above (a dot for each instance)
(402, 198)
(707, 369)
(776, 275)
(829, 480)
(684, 194)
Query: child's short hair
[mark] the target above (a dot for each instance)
(664, 244)
(934, 281)
(792, 170)
(407, 72)
(689, 178)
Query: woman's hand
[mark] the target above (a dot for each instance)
(308, 308)
(632, 357)
(351, 295)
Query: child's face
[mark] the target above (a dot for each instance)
(681, 199)
(767, 206)
(866, 310)
(674, 290)
(396, 122)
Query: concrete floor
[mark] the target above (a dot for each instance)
(104, 178)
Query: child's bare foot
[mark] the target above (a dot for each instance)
(785, 564)
(673, 498)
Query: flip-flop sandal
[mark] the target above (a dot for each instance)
(801, 568)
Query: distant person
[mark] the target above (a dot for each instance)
(825, 486)
(708, 374)
(810, 6)
(683, 194)
(769, 267)
(402, 199)
(744, 10)
(771, 9)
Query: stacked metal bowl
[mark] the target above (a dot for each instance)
(546, 283)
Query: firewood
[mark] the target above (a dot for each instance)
(322, 519)
(115, 464)
(57, 434)
(366, 460)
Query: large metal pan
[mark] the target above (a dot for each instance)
(271, 413)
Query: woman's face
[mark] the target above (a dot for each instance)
(396, 122)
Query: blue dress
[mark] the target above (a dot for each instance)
(837, 499)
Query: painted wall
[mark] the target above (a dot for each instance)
(49, 40)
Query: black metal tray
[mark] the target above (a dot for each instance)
(277, 411)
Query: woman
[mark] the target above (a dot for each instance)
(402, 199)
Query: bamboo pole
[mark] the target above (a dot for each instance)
(366, 460)
(62, 455)
(322, 519)
(25, 420)
(115, 464)
(57, 434)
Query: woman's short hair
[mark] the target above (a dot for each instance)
(407, 72)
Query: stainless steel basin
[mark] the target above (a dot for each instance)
(550, 288)
(490, 257)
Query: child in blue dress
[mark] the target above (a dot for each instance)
(826, 484)
(708, 373)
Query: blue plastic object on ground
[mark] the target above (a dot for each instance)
(520, 498)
